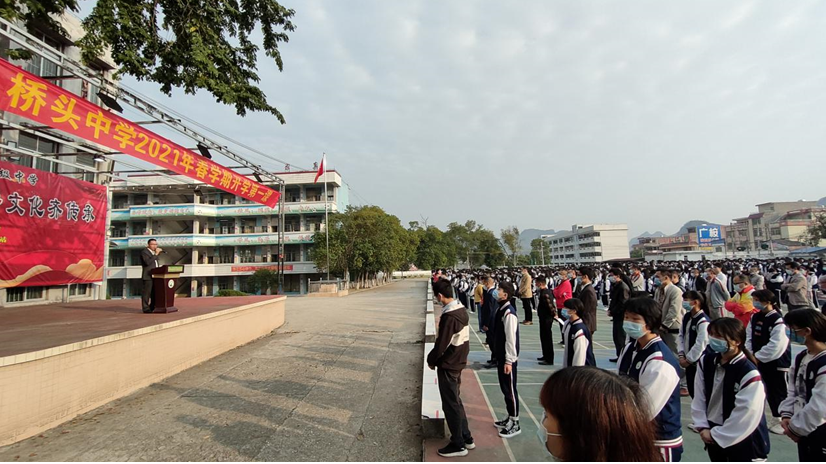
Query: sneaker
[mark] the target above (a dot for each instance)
(511, 430)
(527, 323)
(489, 365)
(469, 444)
(561, 343)
(683, 391)
(545, 363)
(693, 428)
(502, 423)
(774, 426)
(453, 451)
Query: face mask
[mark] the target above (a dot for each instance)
(495, 294)
(564, 313)
(789, 271)
(759, 306)
(795, 337)
(741, 287)
(718, 345)
(657, 282)
(633, 329)
(542, 433)
(686, 305)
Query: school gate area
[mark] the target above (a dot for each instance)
(483, 399)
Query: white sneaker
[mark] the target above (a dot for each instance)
(693, 428)
(774, 425)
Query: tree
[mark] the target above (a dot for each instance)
(194, 45)
(816, 232)
(364, 242)
(465, 240)
(264, 280)
(510, 238)
(490, 249)
(539, 251)
(638, 253)
(434, 250)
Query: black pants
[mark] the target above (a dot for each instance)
(450, 383)
(741, 452)
(148, 296)
(811, 448)
(775, 382)
(618, 333)
(527, 305)
(546, 338)
(690, 375)
(507, 383)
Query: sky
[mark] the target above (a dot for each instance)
(544, 114)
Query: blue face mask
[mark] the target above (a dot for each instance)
(495, 294)
(657, 282)
(759, 306)
(686, 305)
(795, 337)
(564, 313)
(633, 329)
(717, 344)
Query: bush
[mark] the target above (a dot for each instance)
(231, 293)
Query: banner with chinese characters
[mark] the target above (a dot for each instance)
(52, 228)
(31, 97)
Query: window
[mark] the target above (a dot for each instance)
(16, 294)
(34, 293)
(78, 289)
(115, 288)
(40, 145)
(224, 283)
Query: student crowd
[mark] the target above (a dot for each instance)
(710, 330)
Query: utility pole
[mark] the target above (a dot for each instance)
(542, 248)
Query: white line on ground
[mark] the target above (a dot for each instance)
(493, 415)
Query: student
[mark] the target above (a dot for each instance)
(506, 352)
(490, 304)
(766, 338)
(728, 406)
(577, 337)
(546, 312)
(449, 355)
(585, 403)
(804, 409)
(742, 303)
(693, 337)
(649, 361)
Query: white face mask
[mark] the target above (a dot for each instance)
(543, 435)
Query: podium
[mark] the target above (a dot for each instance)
(164, 280)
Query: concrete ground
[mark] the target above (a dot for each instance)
(340, 381)
(531, 376)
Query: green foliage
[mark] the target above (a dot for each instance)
(638, 253)
(435, 249)
(817, 231)
(538, 249)
(510, 239)
(231, 293)
(36, 13)
(194, 45)
(363, 242)
(263, 280)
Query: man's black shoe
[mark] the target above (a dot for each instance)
(542, 358)
(613, 360)
(545, 363)
(453, 451)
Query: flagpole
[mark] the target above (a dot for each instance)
(326, 217)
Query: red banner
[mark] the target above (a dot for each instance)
(52, 228)
(27, 95)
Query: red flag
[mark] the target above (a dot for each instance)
(321, 168)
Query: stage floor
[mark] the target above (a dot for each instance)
(34, 328)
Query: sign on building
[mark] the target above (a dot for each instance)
(710, 235)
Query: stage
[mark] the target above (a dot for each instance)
(60, 360)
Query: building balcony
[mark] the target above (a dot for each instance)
(216, 270)
(193, 210)
(198, 240)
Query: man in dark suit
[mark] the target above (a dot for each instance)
(149, 261)
(588, 296)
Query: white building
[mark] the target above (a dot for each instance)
(221, 239)
(60, 154)
(592, 243)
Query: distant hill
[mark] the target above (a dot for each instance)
(683, 230)
(645, 234)
(527, 235)
(821, 202)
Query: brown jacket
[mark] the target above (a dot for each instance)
(525, 286)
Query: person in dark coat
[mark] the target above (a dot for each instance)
(620, 292)
(588, 296)
(149, 260)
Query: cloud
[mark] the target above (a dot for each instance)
(644, 112)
